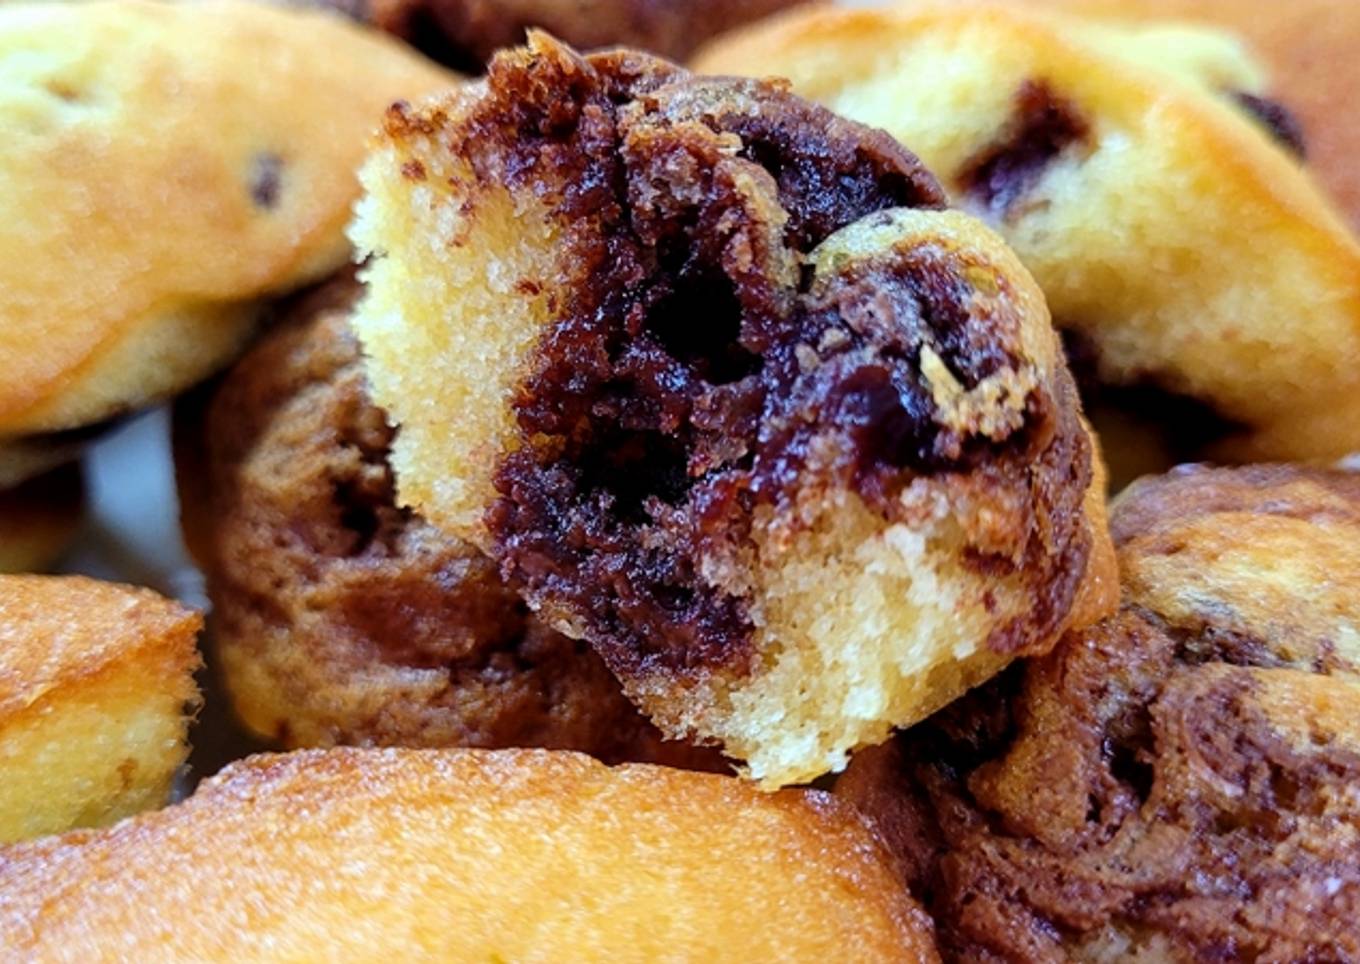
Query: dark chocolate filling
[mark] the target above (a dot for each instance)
(696, 371)
(307, 549)
(1043, 126)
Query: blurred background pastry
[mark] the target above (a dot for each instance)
(1142, 173)
(798, 466)
(339, 618)
(167, 168)
(96, 695)
(1309, 48)
(1181, 781)
(465, 33)
(466, 855)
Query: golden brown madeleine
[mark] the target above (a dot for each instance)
(1180, 782)
(713, 378)
(339, 618)
(1174, 232)
(136, 253)
(39, 519)
(466, 855)
(1309, 46)
(96, 691)
(465, 33)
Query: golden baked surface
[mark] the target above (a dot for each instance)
(39, 519)
(465, 33)
(709, 374)
(1178, 239)
(339, 618)
(467, 856)
(96, 689)
(1309, 46)
(134, 252)
(1181, 781)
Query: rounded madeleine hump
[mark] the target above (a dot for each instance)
(712, 376)
(1192, 760)
(135, 255)
(467, 855)
(1306, 43)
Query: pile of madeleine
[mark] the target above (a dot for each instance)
(685, 480)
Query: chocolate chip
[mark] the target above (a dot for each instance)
(1042, 127)
(1278, 119)
(266, 180)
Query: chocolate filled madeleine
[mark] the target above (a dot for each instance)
(1180, 782)
(1145, 176)
(339, 618)
(721, 387)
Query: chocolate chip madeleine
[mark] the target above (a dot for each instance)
(1180, 782)
(1309, 47)
(1144, 177)
(340, 618)
(167, 168)
(712, 376)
